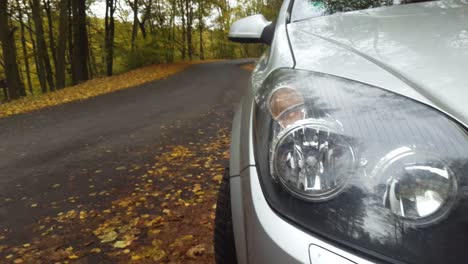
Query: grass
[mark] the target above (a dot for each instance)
(93, 88)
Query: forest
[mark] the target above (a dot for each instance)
(47, 45)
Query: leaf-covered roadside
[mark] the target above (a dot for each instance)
(164, 215)
(248, 67)
(93, 88)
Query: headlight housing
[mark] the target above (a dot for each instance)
(363, 166)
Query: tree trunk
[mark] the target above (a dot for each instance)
(92, 70)
(200, 28)
(51, 30)
(5, 91)
(9, 53)
(147, 17)
(109, 35)
(92, 62)
(71, 46)
(39, 66)
(189, 11)
(184, 37)
(25, 51)
(62, 45)
(42, 53)
(172, 32)
(135, 23)
(80, 41)
(142, 28)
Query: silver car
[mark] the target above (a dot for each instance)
(351, 144)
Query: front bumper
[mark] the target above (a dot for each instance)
(271, 239)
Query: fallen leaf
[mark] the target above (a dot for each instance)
(83, 215)
(121, 244)
(179, 242)
(93, 88)
(167, 211)
(196, 251)
(218, 178)
(156, 243)
(108, 237)
(96, 250)
(158, 255)
(197, 188)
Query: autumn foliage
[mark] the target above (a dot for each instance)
(93, 88)
(248, 67)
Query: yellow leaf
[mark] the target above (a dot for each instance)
(121, 244)
(167, 211)
(158, 255)
(156, 243)
(197, 188)
(218, 178)
(196, 251)
(96, 250)
(108, 237)
(83, 215)
(154, 232)
(179, 242)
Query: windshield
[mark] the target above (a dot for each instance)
(313, 8)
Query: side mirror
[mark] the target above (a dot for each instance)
(252, 29)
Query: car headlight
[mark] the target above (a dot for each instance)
(363, 166)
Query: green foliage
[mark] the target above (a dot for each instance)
(166, 38)
(147, 52)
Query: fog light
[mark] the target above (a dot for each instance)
(312, 160)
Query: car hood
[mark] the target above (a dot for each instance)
(418, 50)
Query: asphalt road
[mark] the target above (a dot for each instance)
(47, 156)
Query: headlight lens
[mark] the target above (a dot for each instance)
(418, 186)
(312, 160)
(363, 166)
